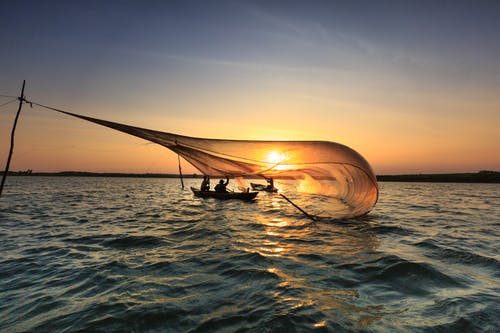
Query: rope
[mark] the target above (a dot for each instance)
(48, 107)
(4, 104)
(8, 96)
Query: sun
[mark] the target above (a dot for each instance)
(275, 157)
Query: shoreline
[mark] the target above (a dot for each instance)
(469, 177)
(478, 177)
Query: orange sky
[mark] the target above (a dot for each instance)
(412, 94)
(393, 142)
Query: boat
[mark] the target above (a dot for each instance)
(262, 187)
(224, 195)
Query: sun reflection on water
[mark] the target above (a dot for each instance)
(297, 242)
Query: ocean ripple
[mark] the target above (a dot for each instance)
(142, 255)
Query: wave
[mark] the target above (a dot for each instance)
(118, 241)
(159, 264)
(402, 276)
(472, 316)
(134, 241)
(458, 256)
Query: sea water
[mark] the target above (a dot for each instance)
(143, 255)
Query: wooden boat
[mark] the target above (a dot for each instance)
(262, 187)
(224, 195)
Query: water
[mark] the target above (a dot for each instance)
(141, 255)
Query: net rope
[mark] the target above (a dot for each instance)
(320, 167)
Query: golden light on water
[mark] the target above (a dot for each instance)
(320, 324)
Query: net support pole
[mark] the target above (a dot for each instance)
(180, 170)
(21, 100)
(296, 206)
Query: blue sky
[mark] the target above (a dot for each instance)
(402, 82)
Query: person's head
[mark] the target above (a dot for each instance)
(221, 181)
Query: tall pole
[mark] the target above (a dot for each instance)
(21, 100)
(296, 206)
(180, 170)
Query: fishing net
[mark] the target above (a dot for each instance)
(341, 177)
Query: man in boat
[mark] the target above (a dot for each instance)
(205, 184)
(221, 187)
(270, 184)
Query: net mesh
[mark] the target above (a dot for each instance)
(321, 168)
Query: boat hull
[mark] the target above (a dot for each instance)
(262, 187)
(247, 196)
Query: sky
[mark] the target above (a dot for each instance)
(413, 86)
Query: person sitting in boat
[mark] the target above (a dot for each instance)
(205, 184)
(270, 184)
(221, 187)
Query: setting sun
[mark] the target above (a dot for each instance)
(275, 157)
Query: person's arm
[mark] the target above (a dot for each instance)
(227, 180)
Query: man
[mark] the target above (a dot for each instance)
(221, 187)
(270, 184)
(205, 184)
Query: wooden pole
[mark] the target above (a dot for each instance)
(21, 100)
(180, 170)
(296, 206)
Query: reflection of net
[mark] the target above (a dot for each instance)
(322, 167)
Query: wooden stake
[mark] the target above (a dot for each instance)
(21, 100)
(180, 170)
(296, 206)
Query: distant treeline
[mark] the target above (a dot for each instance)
(97, 174)
(484, 176)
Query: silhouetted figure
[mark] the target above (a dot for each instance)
(221, 187)
(205, 184)
(270, 184)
